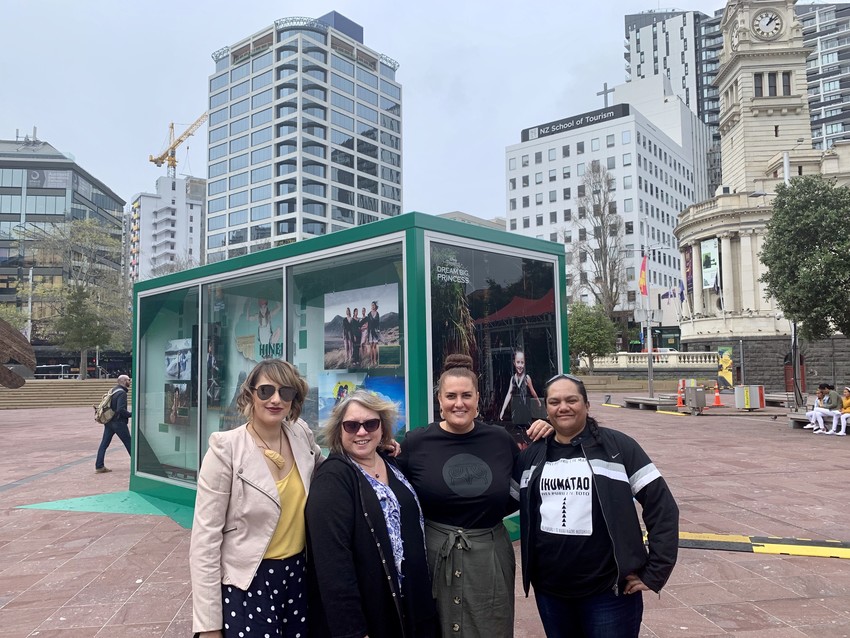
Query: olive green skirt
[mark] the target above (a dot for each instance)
(472, 573)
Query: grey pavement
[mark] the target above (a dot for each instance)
(78, 574)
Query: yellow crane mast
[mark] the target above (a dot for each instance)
(169, 155)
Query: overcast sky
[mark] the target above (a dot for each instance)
(102, 79)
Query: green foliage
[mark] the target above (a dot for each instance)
(591, 332)
(807, 254)
(80, 326)
(11, 315)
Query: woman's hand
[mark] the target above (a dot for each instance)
(393, 448)
(634, 584)
(539, 429)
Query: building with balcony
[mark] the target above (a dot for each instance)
(165, 228)
(305, 136)
(41, 191)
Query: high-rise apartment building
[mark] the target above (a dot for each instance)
(826, 31)
(305, 134)
(685, 47)
(165, 231)
(42, 190)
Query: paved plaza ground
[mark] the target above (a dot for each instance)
(81, 574)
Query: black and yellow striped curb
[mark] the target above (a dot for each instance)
(766, 545)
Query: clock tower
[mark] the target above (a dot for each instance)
(762, 85)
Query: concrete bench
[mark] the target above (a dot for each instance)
(650, 403)
(797, 420)
(780, 399)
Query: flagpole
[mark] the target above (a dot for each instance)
(645, 292)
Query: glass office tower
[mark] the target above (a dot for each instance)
(305, 133)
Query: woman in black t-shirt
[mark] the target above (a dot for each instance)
(461, 470)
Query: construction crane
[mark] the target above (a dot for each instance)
(169, 155)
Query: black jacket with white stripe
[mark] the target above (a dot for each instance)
(622, 471)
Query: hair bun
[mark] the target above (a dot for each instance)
(457, 361)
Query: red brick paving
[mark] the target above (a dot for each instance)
(83, 575)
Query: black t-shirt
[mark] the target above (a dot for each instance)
(573, 553)
(461, 479)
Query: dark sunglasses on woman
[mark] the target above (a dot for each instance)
(353, 427)
(266, 392)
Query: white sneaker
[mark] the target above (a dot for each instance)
(830, 432)
(819, 431)
(809, 426)
(840, 434)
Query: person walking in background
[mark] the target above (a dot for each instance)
(582, 544)
(248, 535)
(117, 426)
(367, 570)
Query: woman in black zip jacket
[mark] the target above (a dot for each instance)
(582, 545)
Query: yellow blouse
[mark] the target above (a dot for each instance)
(289, 537)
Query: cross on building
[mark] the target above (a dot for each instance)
(604, 93)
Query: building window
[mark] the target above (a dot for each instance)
(538, 178)
(552, 154)
(513, 224)
(525, 160)
(538, 199)
(609, 140)
(526, 222)
(525, 201)
(565, 150)
(594, 144)
(566, 172)
(579, 148)
(629, 228)
(758, 89)
(786, 83)
(539, 219)
(512, 164)
(538, 157)
(771, 84)
(567, 193)
(512, 204)
(627, 137)
(512, 184)
(611, 163)
(568, 214)
(524, 181)
(553, 174)
(627, 159)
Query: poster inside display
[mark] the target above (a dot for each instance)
(500, 310)
(710, 263)
(178, 359)
(176, 408)
(360, 325)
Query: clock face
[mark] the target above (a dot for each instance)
(767, 24)
(735, 39)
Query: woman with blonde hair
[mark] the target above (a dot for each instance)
(367, 570)
(246, 558)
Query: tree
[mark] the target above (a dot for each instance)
(181, 263)
(81, 326)
(807, 254)
(600, 239)
(89, 256)
(591, 332)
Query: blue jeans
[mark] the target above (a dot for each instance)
(113, 428)
(604, 615)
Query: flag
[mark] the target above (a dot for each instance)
(642, 279)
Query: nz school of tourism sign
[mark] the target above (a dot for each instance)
(575, 122)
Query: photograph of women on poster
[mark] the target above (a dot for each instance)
(359, 325)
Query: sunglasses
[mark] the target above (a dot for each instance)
(353, 427)
(266, 392)
(568, 377)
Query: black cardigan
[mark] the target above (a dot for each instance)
(352, 592)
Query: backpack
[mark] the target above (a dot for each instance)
(103, 411)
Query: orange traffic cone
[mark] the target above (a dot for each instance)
(717, 403)
(680, 403)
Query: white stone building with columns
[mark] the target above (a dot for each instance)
(764, 119)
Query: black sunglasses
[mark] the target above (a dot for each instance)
(353, 427)
(266, 392)
(568, 377)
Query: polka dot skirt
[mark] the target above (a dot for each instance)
(274, 605)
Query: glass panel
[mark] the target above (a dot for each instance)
(243, 323)
(328, 339)
(501, 305)
(167, 414)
